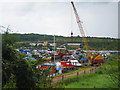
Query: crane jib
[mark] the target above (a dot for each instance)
(81, 28)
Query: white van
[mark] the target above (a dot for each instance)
(75, 63)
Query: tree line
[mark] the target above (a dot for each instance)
(93, 42)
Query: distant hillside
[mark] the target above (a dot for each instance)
(43, 37)
(93, 42)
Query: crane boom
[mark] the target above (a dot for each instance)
(81, 28)
(97, 58)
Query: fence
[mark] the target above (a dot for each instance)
(62, 77)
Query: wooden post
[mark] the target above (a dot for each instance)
(95, 68)
(50, 82)
(49, 74)
(92, 69)
(44, 80)
(44, 84)
(62, 77)
(77, 75)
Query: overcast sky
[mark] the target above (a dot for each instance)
(100, 19)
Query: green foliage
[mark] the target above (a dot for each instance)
(18, 45)
(40, 76)
(24, 75)
(44, 82)
(95, 81)
(14, 66)
(40, 46)
(11, 83)
(93, 42)
(8, 57)
(49, 46)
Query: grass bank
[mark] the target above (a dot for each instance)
(105, 77)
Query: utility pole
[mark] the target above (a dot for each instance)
(54, 48)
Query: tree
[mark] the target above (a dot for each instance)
(14, 65)
(8, 57)
(24, 75)
(40, 46)
(49, 46)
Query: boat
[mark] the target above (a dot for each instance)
(51, 67)
(75, 63)
(66, 64)
(62, 54)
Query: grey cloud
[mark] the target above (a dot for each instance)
(58, 17)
